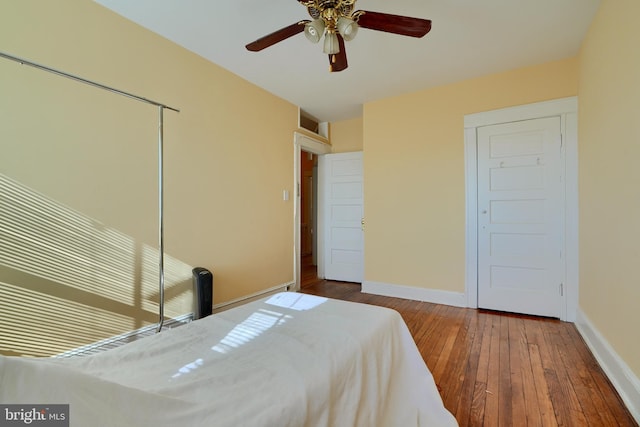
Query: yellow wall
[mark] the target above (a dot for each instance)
(609, 149)
(94, 153)
(346, 136)
(414, 169)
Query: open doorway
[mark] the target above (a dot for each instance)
(304, 144)
(308, 218)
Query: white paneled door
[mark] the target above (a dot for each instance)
(344, 242)
(520, 217)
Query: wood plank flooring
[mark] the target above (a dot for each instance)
(497, 369)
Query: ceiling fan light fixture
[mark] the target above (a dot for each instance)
(348, 28)
(331, 44)
(338, 22)
(314, 30)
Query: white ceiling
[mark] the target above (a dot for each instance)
(469, 38)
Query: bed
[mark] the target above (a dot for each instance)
(286, 360)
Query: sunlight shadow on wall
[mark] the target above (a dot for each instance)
(67, 280)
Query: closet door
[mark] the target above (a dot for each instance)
(520, 217)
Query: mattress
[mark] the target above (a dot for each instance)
(286, 360)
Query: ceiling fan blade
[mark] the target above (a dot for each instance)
(338, 62)
(276, 36)
(403, 25)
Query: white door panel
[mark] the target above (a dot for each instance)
(517, 211)
(343, 216)
(346, 190)
(520, 217)
(347, 166)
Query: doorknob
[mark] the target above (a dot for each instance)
(484, 211)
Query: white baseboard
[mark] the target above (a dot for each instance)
(413, 293)
(623, 379)
(248, 298)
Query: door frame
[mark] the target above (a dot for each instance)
(567, 110)
(303, 142)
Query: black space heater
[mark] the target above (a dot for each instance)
(202, 292)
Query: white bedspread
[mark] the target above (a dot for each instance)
(287, 360)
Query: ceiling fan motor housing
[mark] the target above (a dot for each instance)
(329, 9)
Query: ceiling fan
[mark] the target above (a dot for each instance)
(338, 22)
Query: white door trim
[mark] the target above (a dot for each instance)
(567, 109)
(316, 146)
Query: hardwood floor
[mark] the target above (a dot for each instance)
(308, 271)
(496, 369)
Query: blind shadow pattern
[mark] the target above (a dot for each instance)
(67, 280)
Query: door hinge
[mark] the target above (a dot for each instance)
(561, 289)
